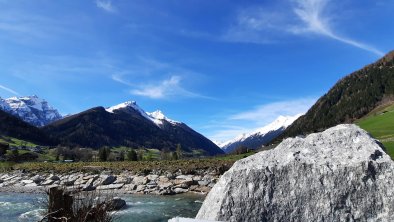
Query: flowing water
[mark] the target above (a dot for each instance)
(140, 208)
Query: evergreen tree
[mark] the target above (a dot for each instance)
(3, 148)
(165, 154)
(175, 156)
(104, 154)
(179, 151)
(121, 155)
(140, 155)
(132, 155)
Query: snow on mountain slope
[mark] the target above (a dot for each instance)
(4, 105)
(260, 136)
(157, 117)
(31, 109)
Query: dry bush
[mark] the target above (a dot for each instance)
(77, 206)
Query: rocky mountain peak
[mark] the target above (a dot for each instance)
(31, 109)
(157, 117)
(340, 174)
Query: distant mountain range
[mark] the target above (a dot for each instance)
(30, 109)
(351, 98)
(261, 136)
(127, 125)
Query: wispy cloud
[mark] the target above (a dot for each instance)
(267, 25)
(164, 89)
(9, 90)
(311, 13)
(119, 78)
(250, 120)
(272, 110)
(158, 80)
(28, 27)
(106, 5)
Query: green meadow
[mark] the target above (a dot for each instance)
(380, 124)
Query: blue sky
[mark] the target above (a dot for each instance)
(222, 67)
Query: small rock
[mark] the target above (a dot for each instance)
(47, 182)
(202, 189)
(69, 181)
(117, 203)
(152, 177)
(193, 187)
(165, 192)
(185, 177)
(89, 186)
(140, 188)
(164, 179)
(129, 187)
(180, 190)
(37, 179)
(203, 183)
(123, 179)
(108, 179)
(31, 185)
(7, 178)
(53, 177)
(27, 181)
(110, 187)
(188, 182)
(197, 178)
(165, 185)
(151, 185)
(140, 180)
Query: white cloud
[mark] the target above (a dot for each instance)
(160, 90)
(9, 90)
(267, 25)
(106, 5)
(165, 89)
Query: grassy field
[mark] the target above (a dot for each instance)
(16, 142)
(380, 124)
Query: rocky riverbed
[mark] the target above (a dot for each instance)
(126, 182)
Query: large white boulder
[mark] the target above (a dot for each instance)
(341, 174)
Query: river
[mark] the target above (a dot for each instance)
(28, 207)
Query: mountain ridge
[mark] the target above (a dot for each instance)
(351, 98)
(128, 125)
(260, 136)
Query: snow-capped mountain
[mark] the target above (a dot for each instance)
(157, 117)
(30, 109)
(129, 125)
(260, 136)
